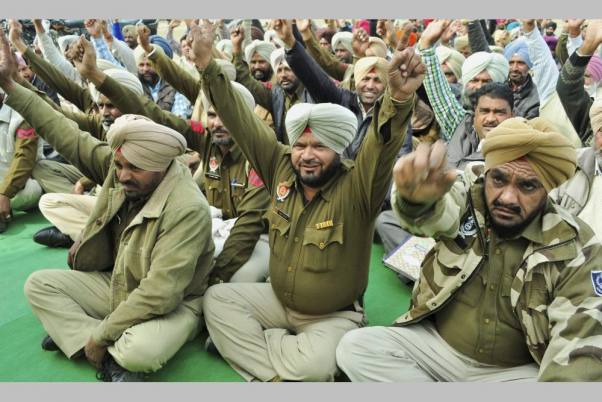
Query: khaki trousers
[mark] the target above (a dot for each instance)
(416, 353)
(27, 197)
(68, 212)
(262, 339)
(56, 177)
(71, 304)
(256, 269)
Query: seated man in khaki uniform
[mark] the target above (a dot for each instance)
(133, 296)
(321, 217)
(512, 289)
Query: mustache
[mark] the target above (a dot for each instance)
(511, 207)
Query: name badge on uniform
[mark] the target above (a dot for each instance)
(325, 224)
(282, 191)
(213, 164)
(235, 183)
(597, 282)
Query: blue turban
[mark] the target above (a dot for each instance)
(160, 41)
(518, 47)
(512, 25)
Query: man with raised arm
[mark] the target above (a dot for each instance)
(321, 217)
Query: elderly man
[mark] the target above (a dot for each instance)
(581, 195)
(454, 117)
(342, 46)
(288, 329)
(129, 36)
(526, 97)
(129, 303)
(511, 291)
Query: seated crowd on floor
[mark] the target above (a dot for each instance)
(233, 174)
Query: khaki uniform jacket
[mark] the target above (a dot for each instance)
(319, 252)
(552, 293)
(226, 180)
(575, 193)
(165, 253)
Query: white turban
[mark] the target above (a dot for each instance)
(271, 36)
(242, 91)
(139, 54)
(228, 68)
(277, 57)
(495, 64)
(144, 143)
(344, 38)
(595, 115)
(65, 41)
(124, 78)
(104, 65)
(451, 58)
(333, 125)
(225, 46)
(264, 49)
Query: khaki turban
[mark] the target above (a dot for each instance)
(276, 58)
(461, 42)
(65, 41)
(124, 78)
(333, 125)
(550, 154)
(595, 115)
(242, 91)
(344, 38)
(264, 49)
(378, 47)
(129, 30)
(144, 143)
(495, 64)
(366, 64)
(452, 59)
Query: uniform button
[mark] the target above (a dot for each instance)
(491, 287)
(98, 222)
(498, 251)
(481, 351)
(434, 304)
(296, 239)
(486, 320)
(322, 245)
(463, 276)
(290, 269)
(273, 226)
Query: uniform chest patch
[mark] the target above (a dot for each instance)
(282, 191)
(597, 282)
(213, 164)
(468, 227)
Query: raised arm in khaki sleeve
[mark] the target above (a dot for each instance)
(91, 156)
(175, 75)
(262, 95)
(325, 59)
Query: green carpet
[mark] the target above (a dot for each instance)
(20, 332)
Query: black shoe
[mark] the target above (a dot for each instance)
(52, 237)
(48, 344)
(113, 372)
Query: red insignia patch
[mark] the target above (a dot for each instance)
(26, 133)
(197, 127)
(254, 179)
(282, 191)
(268, 85)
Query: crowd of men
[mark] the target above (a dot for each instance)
(233, 175)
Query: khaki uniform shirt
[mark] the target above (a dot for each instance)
(319, 251)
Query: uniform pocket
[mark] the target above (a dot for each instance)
(278, 234)
(322, 247)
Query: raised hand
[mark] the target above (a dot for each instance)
(284, 29)
(304, 25)
(144, 34)
(8, 64)
(593, 37)
(360, 42)
(422, 177)
(84, 58)
(433, 33)
(574, 27)
(93, 27)
(200, 39)
(15, 35)
(406, 72)
(174, 24)
(237, 36)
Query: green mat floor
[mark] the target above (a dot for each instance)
(22, 359)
